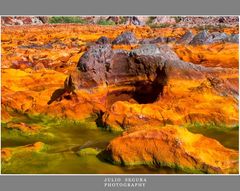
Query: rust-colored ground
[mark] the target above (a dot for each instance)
(37, 59)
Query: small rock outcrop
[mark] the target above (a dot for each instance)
(164, 20)
(204, 37)
(125, 38)
(234, 38)
(158, 40)
(103, 40)
(186, 38)
(200, 38)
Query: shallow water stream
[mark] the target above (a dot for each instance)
(64, 140)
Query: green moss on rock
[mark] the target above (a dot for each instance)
(88, 151)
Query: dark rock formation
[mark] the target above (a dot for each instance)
(21, 20)
(103, 40)
(140, 74)
(102, 65)
(143, 71)
(94, 65)
(142, 20)
(193, 21)
(125, 38)
(186, 38)
(44, 19)
(171, 39)
(234, 38)
(216, 37)
(157, 40)
(200, 38)
(204, 37)
(136, 21)
(66, 92)
(37, 46)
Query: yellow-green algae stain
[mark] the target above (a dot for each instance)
(74, 147)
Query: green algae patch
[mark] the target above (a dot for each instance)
(50, 121)
(228, 136)
(15, 137)
(62, 139)
(65, 142)
(161, 164)
(220, 127)
(155, 165)
(14, 134)
(30, 163)
(16, 159)
(114, 128)
(88, 151)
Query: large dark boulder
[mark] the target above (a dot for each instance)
(101, 65)
(94, 64)
(140, 74)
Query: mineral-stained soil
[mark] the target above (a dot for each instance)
(173, 146)
(154, 85)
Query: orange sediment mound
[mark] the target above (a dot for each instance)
(8, 153)
(30, 92)
(184, 101)
(174, 147)
(214, 55)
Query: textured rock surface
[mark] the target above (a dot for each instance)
(174, 147)
(101, 65)
(200, 38)
(164, 20)
(73, 72)
(8, 153)
(125, 38)
(233, 38)
(141, 84)
(19, 20)
(186, 38)
(23, 127)
(98, 89)
(103, 40)
(179, 21)
(205, 55)
(193, 21)
(204, 37)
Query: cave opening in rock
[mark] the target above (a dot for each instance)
(142, 92)
(147, 92)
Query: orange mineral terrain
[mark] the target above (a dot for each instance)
(86, 98)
